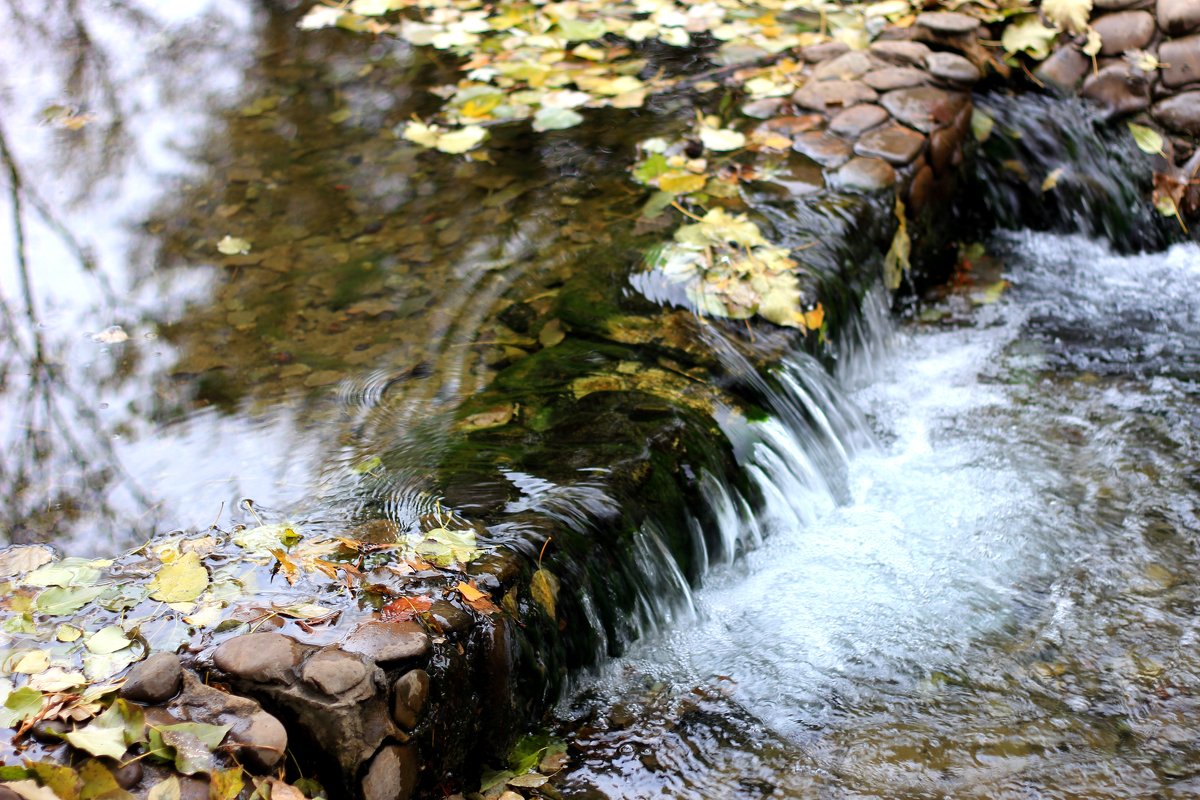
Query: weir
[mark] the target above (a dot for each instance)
(543, 454)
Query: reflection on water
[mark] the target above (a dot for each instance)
(150, 380)
(1003, 605)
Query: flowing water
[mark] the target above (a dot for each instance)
(1001, 605)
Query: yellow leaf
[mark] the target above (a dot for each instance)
(1052, 179)
(544, 588)
(814, 318)
(681, 182)
(181, 581)
(1148, 140)
(470, 592)
(478, 106)
(1070, 15)
(896, 263)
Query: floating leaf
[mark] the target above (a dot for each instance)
(58, 601)
(19, 559)
(66, 573)
(232, 246)
(262, 540)
(108, 639)
(492, 418)
(103, 736)
(445, 547)
(422, 134)
(32, 662)
(462, 140)
(21, 706)
(320, 17)
(168, 789)
(1147, 139)
(575, 30)
(722, 139)
(544, 588)
(555, 119)
(493, 778)
(181, 581)
(681, 183)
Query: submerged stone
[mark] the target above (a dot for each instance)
(895, 144)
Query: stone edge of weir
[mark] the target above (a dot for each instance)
(393, 708)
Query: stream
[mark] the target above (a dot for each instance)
(1003, 603)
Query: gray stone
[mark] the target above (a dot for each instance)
(895, 144)
(155, 680)
(263, 741)
(845, 67)
(948, 23)
(1064, 69)
(952, 67)
(924, 107)
(864, 175)
(816, 53)
(889, 78)
(1124, 30)
(853, 122)
(904, 54)
(392, 774)
(763, 108)
(128, 774)
(260, 738)
(408, 697)
(1180, 113)
(388, 642)
(333, 671)
(193, 788)
(823, 148)
(260, 657)
(1177, 17)
(790, 126)
(821, 95)
(1115, 5)
(1181, 61)
(1118, 89)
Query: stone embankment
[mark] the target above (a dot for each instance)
(388, 707)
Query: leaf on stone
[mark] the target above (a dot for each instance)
(1070, 15)
(981, 125)
(58, 601)
(108, 639)
(1028, 35)
(1147, 139)
(681, 183)
(57, 782)
(405, 608)
(103, 736)
(492, 418)
(544, 588)
(722, 139)
(1093, 43)
(181, 581)
(57, 679)
(99, 782)
(896, 263)
(168, 789)
(232, 246)
(188, 744)
(555, 119)
(446, 547)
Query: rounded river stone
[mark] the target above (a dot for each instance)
(952, 67)
(392, 774)
(924, 107)
(854, 121)
(1180, 113)
(820, 95)
(845, 67)
(261, 657)
(790, 126)
(823, 148)
(155, 680)
(387, 642)
(1065, 68)
(1124, 30)
(1177, 17)
(889, 78)
(263, 741)
(129, 774)
(1181, 61)
(816, 53)
(895, 144)
(947, 23)
(409, 693)
(333, 671)
(1118, 89)
(864, 175)
(905, 54)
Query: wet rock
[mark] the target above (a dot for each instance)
(943, 148)
(1181, 61)
(1124, 30)
(921, 189)
(1115, 5)
(192, 788)
(1064, 69)
(947, 23)
(764, 108)
(128, 774)
(853, 122)
(824, 148)
(790, 126)
(259, 657)
(408, 697)
(1118, 89)
(261, 738)
(816, 53)
(333, 672)
(845, 67)
(821, 95)
(49, 731)
(388, 642)
(953, 67)
(1180, 113)
(1178, 17)
(895, 144)
(924, 107)
(889, 78)
(864, 175)
(904, 54)
(450, 617)
(155, 680)
(392, 774)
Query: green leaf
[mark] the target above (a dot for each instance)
(108, 639)
(20, 706)
(555, 119)
(445, 547)
(63, 781)
(68, 572)
(99, 782)
(578, 30)
(188, 744)
(262, 540)
(1028, 35)
(11, 773)
(1148, 140)
(544, 587)
(981, 125)
(58, 601)
(651, 168)
(492, 778)
(181, 581)
(529, 750)
(103, 736)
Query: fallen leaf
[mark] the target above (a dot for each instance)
(544, 588)
(555, 119)
(181, 581)
(232, 246)
(103, 736)
(19, 559)
(1051, 180)
(168, 789)
(1147, 139)
(108, 639)
(1070, 15)
(493, 418)
(462, 140)
(722, 139)
(405, 608)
